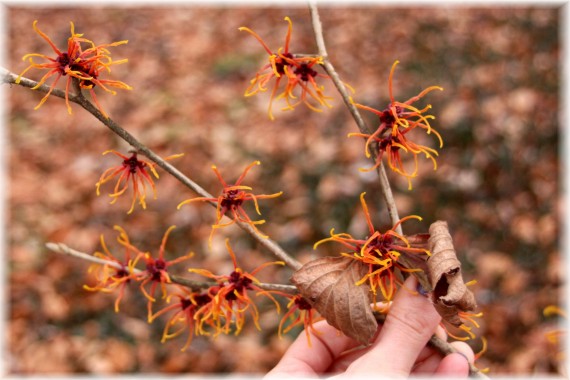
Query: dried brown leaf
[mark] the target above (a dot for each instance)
(450, 295)
(329, 283)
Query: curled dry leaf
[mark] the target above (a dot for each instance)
(450, 295)
(329, 283)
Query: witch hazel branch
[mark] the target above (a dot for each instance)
(368, 271)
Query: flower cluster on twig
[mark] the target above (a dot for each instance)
(220, 307)
(297, 71)
(231, 201)
(80, 63)
(391, 137)
(380, 252)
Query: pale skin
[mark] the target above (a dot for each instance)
(398, 350)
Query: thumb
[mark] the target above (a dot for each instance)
(409, 325)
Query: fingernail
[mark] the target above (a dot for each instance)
(421, 290)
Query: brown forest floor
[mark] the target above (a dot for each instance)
(497, 183)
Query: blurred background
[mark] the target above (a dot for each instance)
(497, 184)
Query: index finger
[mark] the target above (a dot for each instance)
(411, 322)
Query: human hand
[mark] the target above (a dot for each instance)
(398, 350)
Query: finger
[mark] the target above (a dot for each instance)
(458, 363)
(453, 364)
(304, 360)
(465, 350)
(411, 322)
(431, 363)
(441, 333)
(428, 351)
(346, 358)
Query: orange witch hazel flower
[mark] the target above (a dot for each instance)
(468, 322)
(85, 65)
(189, 302)
(156, 271)
(380, 252)
(391, 137)
(232, 199)
(556, 336)
(300, 312)
(298, 72)
(466, 319)
(114, 274)
(135, 171)
(231, 299)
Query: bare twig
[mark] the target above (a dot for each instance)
(191, 284)
(65, 250)
(8, 77)
(328, 66)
